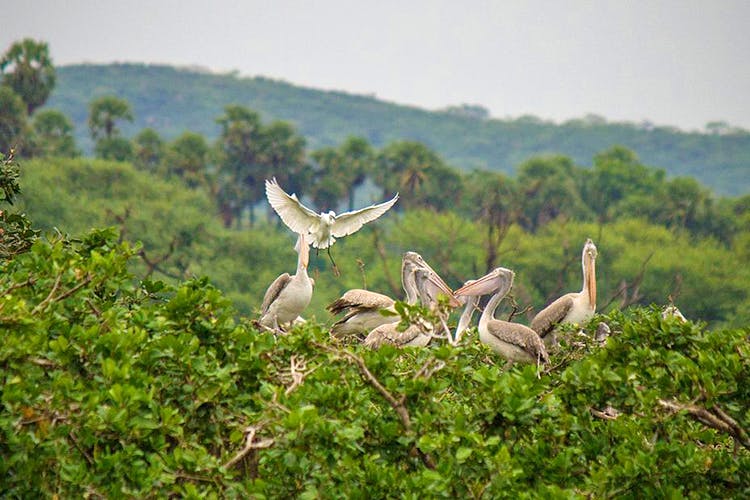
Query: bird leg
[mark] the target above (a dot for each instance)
(335, 268)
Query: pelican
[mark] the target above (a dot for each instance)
(288, 296)
(363, 306)
(513, 341)
(419, 333)
(464, 321)
(576, 307)
(325, 227)
(671, 311)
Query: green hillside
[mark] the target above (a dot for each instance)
(173, 100)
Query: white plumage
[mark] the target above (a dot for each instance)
(323, 228)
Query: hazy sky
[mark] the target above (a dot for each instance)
(672, 62)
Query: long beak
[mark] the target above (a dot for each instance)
(443, 288)
(434, 277)
(482, 286)
(303, 249)
(492, 282)
(591, 277)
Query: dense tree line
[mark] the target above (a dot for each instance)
(228, 173)
(717, 157)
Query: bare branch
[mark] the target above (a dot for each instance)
(297, 372)
(250, 445)
(80, 448)
(608, 413)
(714, 418)
(51, 297)
(634, 286)
(15, 286)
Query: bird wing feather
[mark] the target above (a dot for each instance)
(359, 299)
(389, 334)
(295, 215)
(521, 336)
(274, 291)
(550, 316)
(350, 222)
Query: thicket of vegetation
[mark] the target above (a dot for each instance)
(114, 386)
(131, 366)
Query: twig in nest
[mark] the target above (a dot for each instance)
(250, 445)
(429, 367)
(608, 413)
(298, 371)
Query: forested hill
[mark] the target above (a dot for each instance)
(173, 100)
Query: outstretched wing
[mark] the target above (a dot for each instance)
(350, 222)
(295, 215)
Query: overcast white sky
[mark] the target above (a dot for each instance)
(672, 62)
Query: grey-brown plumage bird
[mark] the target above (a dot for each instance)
(363, 308)
(575, 308)
(512, 341)
(419, 333)
(288, 296)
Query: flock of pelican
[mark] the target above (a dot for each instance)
(371, 316)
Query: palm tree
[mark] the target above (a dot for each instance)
(104, 112)
(27, 69)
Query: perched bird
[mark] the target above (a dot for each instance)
(288, 296)
(577, 307)
(322, 229)
(363, 308)
(420, 332)
(512, 341)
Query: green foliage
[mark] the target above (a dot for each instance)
(16, 233)
(27, 69)
(115, 387)
(148, 150)
(13, 120)
(53, 135)
(187, 158)
(104, 112)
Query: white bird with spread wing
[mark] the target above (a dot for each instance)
(321, 229)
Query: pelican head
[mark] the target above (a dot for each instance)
(499, 280)
(412, 261)
(589, 249)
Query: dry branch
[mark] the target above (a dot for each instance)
(715, 418)
(250, 445)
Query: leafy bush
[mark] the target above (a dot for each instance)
(119, 387)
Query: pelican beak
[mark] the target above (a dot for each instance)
(413, 260)
(489, 283)
(303, 249)
(482, 286)
(438, 282)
